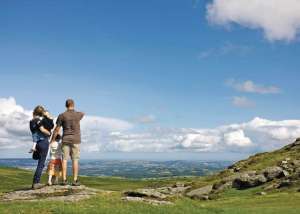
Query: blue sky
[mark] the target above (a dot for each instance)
(161, 60)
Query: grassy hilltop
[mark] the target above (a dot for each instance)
(230, 200)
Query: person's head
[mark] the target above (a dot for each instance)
(46, 113)
(38, 111)
(70, 104)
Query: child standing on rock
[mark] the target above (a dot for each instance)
(55, 164)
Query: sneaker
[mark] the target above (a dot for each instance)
(64, 183)
(37, 186)
(76, 183)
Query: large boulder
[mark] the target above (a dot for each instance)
(238, 175)
(246, 181)
(200, 193)
(159, 193)
(150, 193)
(273, 172)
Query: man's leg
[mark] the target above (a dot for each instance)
(75, 155)
(75, 169)
(64, 169)
(66, 154)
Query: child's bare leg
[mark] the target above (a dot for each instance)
(33, 148)
(56, 179)
(50, 180)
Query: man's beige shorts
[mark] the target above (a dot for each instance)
(70, 150)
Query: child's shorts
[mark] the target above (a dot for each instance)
(55, 167)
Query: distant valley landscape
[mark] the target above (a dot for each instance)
(135, 169)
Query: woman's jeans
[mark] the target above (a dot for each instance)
(42, 148)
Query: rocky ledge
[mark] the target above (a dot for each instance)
(283, 174)
(158, 196)
(51, 193)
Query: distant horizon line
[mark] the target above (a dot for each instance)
(124, 159)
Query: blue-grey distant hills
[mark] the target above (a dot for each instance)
(134, 168)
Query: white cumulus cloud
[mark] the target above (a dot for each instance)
(100, 134)
(251, 87)
(237, 138)
(14, 124)
(279, 19)
(15, 133)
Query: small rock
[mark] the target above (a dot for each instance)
(286, 167)
(246, 181)
(273, 172)
(201, 193)
(285, 173)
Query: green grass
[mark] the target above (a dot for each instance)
(263, 160)
(230, 202)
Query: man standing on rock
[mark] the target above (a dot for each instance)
(70, 122)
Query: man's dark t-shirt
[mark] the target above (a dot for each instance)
(70, 122)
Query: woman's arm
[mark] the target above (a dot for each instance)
(44, 131)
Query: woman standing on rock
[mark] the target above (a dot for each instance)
(40, 127)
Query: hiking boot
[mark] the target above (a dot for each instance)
(76, 183)
(64, 183)
(55, 183)
(37, 186)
